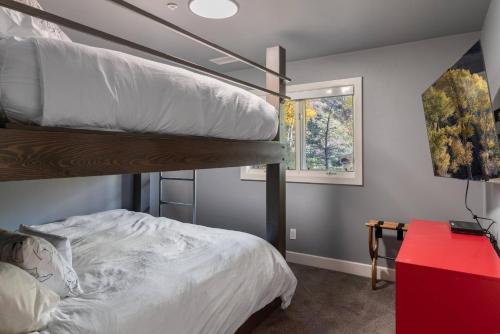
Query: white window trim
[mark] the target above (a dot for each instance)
(310, 90)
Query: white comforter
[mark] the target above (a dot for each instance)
(142, 274)
(64, 84)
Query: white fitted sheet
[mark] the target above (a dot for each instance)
(64, 84)
(142, 274)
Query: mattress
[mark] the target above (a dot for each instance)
(142, 274)
(57, 83)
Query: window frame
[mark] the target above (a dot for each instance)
(308, 91)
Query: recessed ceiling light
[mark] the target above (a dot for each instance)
(214, 9)
(172, 6)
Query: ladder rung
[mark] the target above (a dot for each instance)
(176, 203)
(175, 179)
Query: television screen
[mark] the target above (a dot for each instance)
(460, 122)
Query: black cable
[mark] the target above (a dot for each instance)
(474, 216)
(491, 224)
(477, 218)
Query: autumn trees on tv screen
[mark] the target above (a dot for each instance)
(461, 126)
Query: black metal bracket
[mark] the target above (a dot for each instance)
(3, 119)
(378, 229)
(400, 231)
(496, 114)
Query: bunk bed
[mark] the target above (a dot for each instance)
(29, 152)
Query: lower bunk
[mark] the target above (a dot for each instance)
(141, 274)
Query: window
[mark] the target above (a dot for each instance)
(323, 124)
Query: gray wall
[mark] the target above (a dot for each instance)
(329, 219)
(490, 38)
(491, 47)
(42, 201)
(398, 177)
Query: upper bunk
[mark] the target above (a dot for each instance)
(146, 117)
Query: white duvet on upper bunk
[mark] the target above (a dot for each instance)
(64, 84)
(142, 274)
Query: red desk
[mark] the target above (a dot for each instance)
(446, 282)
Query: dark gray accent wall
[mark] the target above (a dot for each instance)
(398, 177)
(42, 201)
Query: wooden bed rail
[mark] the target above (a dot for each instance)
(29, 153)
(47, 16)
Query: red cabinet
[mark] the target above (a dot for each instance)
(446, 282)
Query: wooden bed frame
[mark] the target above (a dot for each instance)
(35, 152)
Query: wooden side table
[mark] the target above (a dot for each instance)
(375, 228)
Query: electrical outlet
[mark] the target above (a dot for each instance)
(293, 234)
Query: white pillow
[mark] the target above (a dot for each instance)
(25, 304)
(20, 86)
(62, 244)
(39, 258)
(13, 23)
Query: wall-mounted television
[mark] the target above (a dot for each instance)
(460, 123)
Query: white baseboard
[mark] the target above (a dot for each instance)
(348, 267)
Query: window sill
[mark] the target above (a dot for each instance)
(305, 177)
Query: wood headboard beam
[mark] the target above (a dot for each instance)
(276, 172)
(40, 153)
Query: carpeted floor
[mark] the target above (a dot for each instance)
(333, 302)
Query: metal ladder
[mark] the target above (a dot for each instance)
(193, 202)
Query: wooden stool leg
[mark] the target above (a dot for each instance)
(370, 241)
(373, 248)
(374, 273)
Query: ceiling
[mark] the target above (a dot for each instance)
(307, 28)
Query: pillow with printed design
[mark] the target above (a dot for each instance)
(62, 244)
(41, 259)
